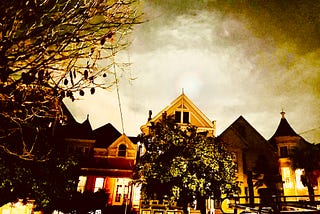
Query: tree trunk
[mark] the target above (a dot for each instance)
(311, 192)
(201, 204)
(250, 186)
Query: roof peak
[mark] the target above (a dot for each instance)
(284, 128)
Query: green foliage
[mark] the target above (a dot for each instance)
(180, 164)
(46, 182)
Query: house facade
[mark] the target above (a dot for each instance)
(108, 158)
(262, 164)
(252, 152)
(285, 140)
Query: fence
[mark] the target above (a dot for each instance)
(271, 204)
(155, 207)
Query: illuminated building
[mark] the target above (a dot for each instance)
(285, 140)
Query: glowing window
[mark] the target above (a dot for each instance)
(82, 183)
(98, 184)
(286, 177)
(299, 184)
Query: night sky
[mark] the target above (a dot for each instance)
(247, 57)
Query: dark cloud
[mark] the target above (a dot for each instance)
(294, 21)
(286, 21)
(232, 57)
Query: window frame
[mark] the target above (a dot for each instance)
(122, 152)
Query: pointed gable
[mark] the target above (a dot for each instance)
(130, 146)
(242, 132)
(247, 144)
(105, 135)
(185, 112)
(116, 160)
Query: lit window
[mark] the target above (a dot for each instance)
(286, 177)
(118, 193)
(299, 184)
(122, 150)
(82, 183)
(98, 184)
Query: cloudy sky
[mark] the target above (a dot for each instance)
(238, 57)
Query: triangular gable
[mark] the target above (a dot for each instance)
(184, 104)
(247, 135)
(105, 135)
(123, 139)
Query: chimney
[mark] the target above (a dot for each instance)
(150, 113)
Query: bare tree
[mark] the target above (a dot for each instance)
(49, 50)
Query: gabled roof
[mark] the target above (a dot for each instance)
(74, 129)
(246, 134)
(105, 135)
(123, 138)
(183, 102)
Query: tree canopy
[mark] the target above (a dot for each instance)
(181, 165)
(52, 50)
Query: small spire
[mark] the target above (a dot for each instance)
(182, 90)
(282, 113)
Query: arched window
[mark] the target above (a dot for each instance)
(122, 150)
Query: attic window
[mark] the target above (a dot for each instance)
(177, 116)
(181, 117)
(185, 117)
(283, 151)
(122, 150)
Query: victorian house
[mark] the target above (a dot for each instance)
(108, 158)
(247, 146)
(253, 154)
(285, 140)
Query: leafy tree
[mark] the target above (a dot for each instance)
(183, 164)
(51, 50)
(46, 182)
(307, 157)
